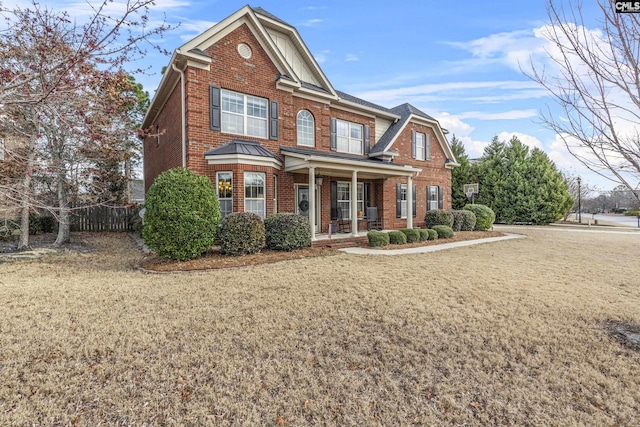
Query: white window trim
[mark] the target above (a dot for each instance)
(275, 194)
(403, 202)
(429, 200)
(1, 149)
(349, 138)
(420, 149)
(244, 115)
(221, 199)
(313, 129)
(264, 193)
(360, 190)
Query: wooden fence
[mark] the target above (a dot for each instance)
(104, 218)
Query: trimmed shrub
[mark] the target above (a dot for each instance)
(463, 220)
(443, 231)
(413, 235)
(438, 217)
(484, 216)
(377, 238)
(287, 232)
(182, 215)
(397, 238)
(242, 233)
(433, 234)
(424, 234)
(632, 213)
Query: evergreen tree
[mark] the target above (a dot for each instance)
(522, 185)
(460, 175)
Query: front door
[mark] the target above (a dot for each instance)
(302, 203)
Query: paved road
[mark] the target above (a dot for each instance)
(630, 221)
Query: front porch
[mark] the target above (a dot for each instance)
(336, 186)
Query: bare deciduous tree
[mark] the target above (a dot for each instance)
(594, 75)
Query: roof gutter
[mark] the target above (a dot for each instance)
(183, 120)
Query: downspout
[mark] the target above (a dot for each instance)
(183, 115)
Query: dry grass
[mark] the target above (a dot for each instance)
(509, 333)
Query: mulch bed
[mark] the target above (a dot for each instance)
(213, 259)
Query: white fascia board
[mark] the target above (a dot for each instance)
(433, 124)
(313, 96)
(318, 94)
(346, 164)
(384, 154)
(225, 159)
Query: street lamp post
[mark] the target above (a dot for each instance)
(579, 202)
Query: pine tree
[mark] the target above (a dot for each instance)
(460, 175)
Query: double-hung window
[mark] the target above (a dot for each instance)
(344, 198)
(244, 114)
(225, 192)
(349, 137)
(254, 193)
(432, 197)
(420, 146)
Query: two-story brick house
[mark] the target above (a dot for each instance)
(246, 104)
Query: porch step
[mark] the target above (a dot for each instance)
(345, 242)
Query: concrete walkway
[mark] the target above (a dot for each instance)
(425, 249)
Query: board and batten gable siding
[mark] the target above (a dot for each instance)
(293, 57)
(381, 127)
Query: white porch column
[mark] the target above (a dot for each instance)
(354, 203)
(409, 202)
(312, 202)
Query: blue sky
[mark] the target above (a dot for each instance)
(457, 61)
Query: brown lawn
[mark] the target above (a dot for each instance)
(507, 333)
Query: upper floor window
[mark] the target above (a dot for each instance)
(306, 128)
(420, 146)
(348, 137)
(244, 114)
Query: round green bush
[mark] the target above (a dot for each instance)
(433, 234)
(484, 216)
(424, 234)
(397, 238)
(412, 234)
(468, 221)
(632, 213)
(181, 216)
(287, 232)
(443, 231)
(438, 217)
(377, 238)
(242, 233)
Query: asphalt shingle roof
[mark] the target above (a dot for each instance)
(404, 111)
(263, 12)
(362, 102)
(332, 155)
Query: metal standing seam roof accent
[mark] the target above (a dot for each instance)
(244, 147)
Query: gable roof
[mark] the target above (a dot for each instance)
(407, 113)
(355, 100)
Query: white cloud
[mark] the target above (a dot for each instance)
(313, 7)
(310, 22)
(505, 115)
(322, 56)
(191, 28)
(462, 131)
(351, 57)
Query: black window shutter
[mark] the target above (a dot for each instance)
(413, 144)
(334, 135)
(367, 196)
(428, 199)
(273, 121)
(214, 107)
(440, 198)
(427, 147)
(413, 192)
(367, 139)
(398, 200)
(334, 200)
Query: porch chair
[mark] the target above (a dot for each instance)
(373, 220)
(344, 225)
